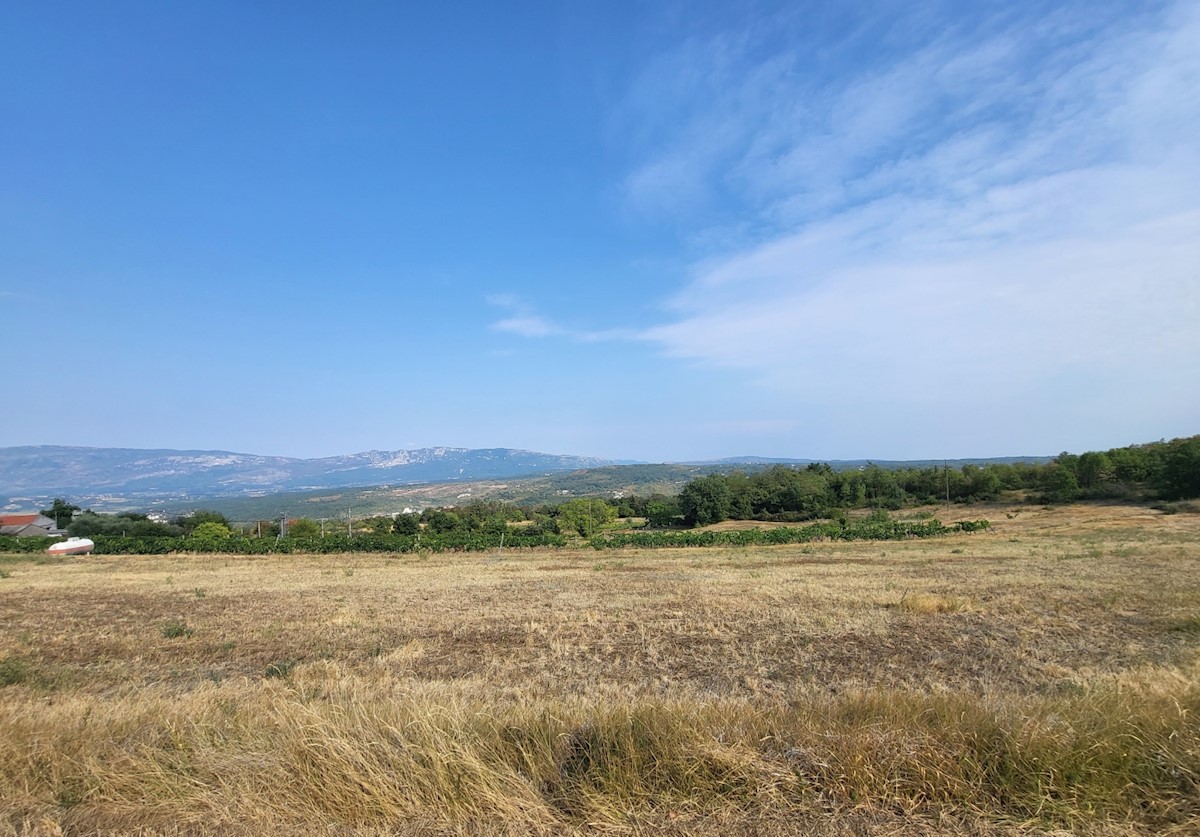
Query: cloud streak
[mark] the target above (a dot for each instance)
(524, 321)
(1003, 222)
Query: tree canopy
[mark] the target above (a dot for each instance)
(61, 512)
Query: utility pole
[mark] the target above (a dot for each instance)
(349, 524)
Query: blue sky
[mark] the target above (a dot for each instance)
(655, 231)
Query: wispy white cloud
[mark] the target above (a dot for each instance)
(522, 320)
(527, 325)
(1009, 218)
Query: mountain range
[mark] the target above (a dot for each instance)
(35, 472)
(112, 479)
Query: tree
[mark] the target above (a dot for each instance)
(543, 524)
(1181, 469)
(981, 483)
(662, 511)
(741, 495)
(88, 524)
(497, 524)
(853, 489)
(189, 522)
(785, 491)
(480, 514)
(441, 521)
(61, 512)
(211, 529)
(406, 524)
(585, 516)
(378, 525)
(303, 528)
(210, 534)
(1059, 484)
(1134, 464)
(705, 500)
(882, 488)
(1091, 468)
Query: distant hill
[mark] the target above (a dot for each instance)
(609, 481)
(250, 487)
(104, 475)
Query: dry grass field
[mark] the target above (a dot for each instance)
(1039, 678)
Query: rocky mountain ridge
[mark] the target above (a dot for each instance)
(38, 471)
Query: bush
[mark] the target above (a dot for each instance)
(879, 526)
(24, 546)
(460, 540)
(13, 671)
(875, 528)
(175, 628)
(211, 530)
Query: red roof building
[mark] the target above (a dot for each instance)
(28, 525)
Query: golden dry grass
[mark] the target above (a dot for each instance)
(1038, 677)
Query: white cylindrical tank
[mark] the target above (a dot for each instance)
(72, 546)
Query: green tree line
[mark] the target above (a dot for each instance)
(877, 527)
(784, 494)
(1165, 470)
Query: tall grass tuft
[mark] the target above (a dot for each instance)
(330, 748)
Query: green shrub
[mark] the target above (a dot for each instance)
(175, 628)
(13, 671)
(874, 528)
(13, 544)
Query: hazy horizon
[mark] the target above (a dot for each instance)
(767, 457)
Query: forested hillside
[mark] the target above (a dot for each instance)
(1159, 470)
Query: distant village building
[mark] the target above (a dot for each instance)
(28, 525)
